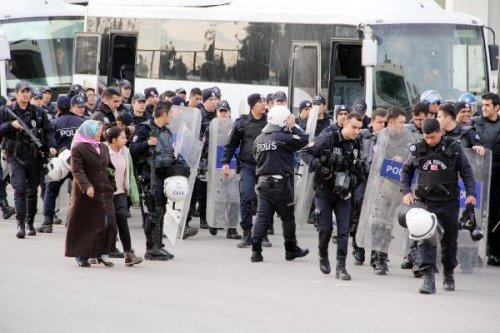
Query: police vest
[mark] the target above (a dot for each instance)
(164, 150)
(437, 179)
(492, 143)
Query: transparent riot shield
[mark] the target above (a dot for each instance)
(223, 196)
(472, 254)
(185, 126)
(304, 178)
(378, 226)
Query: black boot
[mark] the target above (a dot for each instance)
(324, 263)
(189, 231)
(429, 286)
(232, 234)
(203, 223)
(359, 255)
(30, 227)
(340, 272)
(21, 229)
(381, 264)
(373, 258)
(448, 280)
(257, 253)
(7, 210)
(292, 251)
(246, 239)
(407, 263)
(46, 227)
(57, 220)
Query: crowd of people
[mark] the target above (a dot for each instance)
(119, 151)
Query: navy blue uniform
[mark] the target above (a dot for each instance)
(24, 157)
(437, 187)
(274, 153)
(327, 198)
(65, 127)
(206, 117)
(466, 135)
(245, 131)
(320, 125)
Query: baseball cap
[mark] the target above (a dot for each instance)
(178, 100)
(304, 104)
(223, 105)
(124, 83)
(46, 89)
(269, 97)
(21, 85)
(63, 102)
(461, 105)
(150, 92)
(343, 108)
(180, 91)
(138, 97)
(279, 95)
(78, 100)
(35, 93)
(318, 100)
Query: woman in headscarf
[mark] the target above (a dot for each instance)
(91, 218)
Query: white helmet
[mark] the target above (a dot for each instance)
(65, 157)
(176, 188)
(421, 223)
(430, 97)
(278, 115)
(55, 170)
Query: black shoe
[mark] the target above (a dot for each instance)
(105, 262)
(373, 258)
(292, 251)
(156, 255)
(46, 227)
(448, 281)
(203, 224)
(257, 253)
(418, 273)
(406, 264)
(340, 271)
(359, 255)
(31, 230)
(324, 263)
(164, 250)
(131, 259)
(270, 231)
(429, 286)
(232, 233)
(213, 231)
(245, 240)
(21, 230)
(493, 260)
(8, 211)
(83, 262)
(189, 232)
(266, 242)
(57, 220)
(116, 254)
(381, 264)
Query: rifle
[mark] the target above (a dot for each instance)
(26, 129)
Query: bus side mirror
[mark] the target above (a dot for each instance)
(4, 48)
(493, 53)
(369, 52)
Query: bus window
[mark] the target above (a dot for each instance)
(122, 57)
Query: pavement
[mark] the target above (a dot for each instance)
(211, 286)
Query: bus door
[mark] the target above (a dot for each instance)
(121, 57)
(305, 73)
(346, 73)
(86, 59)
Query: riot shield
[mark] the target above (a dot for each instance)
(304, 178)
(185, 126)
(378, 227)
(472, 254)
(223, 196)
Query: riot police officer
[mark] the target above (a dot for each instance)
(274, 153)
(439, 161)
(245, 130)
(139, 114)
(65, 127)
(324, 119)
(335, 157)
(153, 155)
(25, 153)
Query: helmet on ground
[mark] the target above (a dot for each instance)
(467, 97)
(421, 223)
(430, 97)
(278, 115)
(176, 185)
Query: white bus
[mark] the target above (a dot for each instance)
(387, 51)
(40, 35)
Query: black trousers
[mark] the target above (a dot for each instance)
(494, 216)
(25, 179)
(447, 215)
(274, 195)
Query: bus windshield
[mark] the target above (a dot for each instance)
(413, 58)
(41, 50)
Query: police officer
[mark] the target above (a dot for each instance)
(466, 135)
(419, 112)
(148, 153)
(274, 153)
(65, 126)
(335, 156)
(151, 95)
(37, 97)
(107, 110)
(488, 128)
(464, 113)
(432, 99)
(341, 116)
(139, 109)
(46, 100)
(245, 130)
(439, 161)
(24, 156)
(280, 98)
(359, 106)
(324, 119)
(304, 109)
(125, 90)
